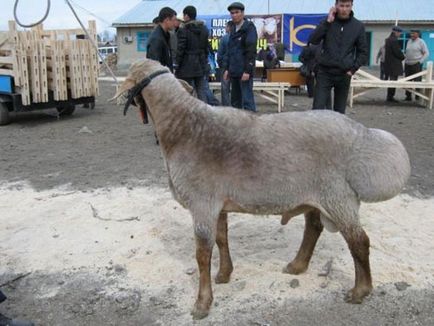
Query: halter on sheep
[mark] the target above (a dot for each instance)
(222, 160)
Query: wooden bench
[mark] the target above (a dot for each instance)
(273, 92)
(363, 82)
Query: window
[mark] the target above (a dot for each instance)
(142, 41)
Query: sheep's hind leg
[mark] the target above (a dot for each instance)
(312, 231)
(226, 267)
(358, 243)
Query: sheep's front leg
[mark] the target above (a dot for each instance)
(312, 230)
(204, 245)
(358, 243)
(226, 267)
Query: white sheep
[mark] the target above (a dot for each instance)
(221, 160)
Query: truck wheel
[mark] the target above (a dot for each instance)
(4, 115)
(66, 110)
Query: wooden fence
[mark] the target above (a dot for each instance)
(363, 82)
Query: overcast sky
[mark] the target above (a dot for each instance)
(60, 16)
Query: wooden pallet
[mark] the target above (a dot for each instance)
(61, 62)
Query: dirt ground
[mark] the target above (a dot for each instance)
(88, 234)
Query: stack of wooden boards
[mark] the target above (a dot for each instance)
(63, 63)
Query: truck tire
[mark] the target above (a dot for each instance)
(4, 114)
(66, 110)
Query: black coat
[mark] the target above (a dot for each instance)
(344, 45)
(192, 54)
(394, 56)
(309, 57)
(158, 47)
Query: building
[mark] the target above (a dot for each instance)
(134, 26)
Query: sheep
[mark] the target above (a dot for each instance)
(222, 160)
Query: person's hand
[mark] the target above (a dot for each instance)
(349, 73)
(245, 76)
(332, 15)
(226, 75)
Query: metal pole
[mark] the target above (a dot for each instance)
(268, 6)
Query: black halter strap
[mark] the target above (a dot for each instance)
(136, 90)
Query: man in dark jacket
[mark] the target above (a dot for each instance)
(393, 60)
(192, 54)
(309, 58)
(158, 47)
(222, 51)
(344, 51)
(239, 61)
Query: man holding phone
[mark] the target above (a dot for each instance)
(344, 51)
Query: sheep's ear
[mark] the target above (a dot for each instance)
(186, 86)
(126, 85)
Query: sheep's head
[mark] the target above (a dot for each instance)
(140, 70)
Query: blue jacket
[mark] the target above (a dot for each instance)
(222, 50)
(241, 54)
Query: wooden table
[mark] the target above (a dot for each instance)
(286, 75)
(273, 92)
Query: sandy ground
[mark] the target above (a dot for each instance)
(90, 235)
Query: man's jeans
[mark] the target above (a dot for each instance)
(324, 83)
(226, 91)
(210, 98)
(198, 83)
(242, 94)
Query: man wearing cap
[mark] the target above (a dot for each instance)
(344, 51)
(416, 53)
(221, 52)
(393, 60)
(192, 54)
(174, 38)
(158, 47)
(239, 61)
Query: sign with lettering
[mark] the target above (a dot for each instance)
(269, 28)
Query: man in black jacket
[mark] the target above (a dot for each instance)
(192, 54)
(393, 60)
(239, 60)
(344, 51)
(158, 47)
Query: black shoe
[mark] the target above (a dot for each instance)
(5, 321)
(407, 99)
(392, 100)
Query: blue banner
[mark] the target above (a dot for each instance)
(297, 29)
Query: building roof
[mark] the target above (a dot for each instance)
(367, 10)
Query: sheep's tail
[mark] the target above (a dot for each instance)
(379, 166)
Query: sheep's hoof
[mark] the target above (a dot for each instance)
(199, 311)
(356, 295)
(294, 268)
(222, 278)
